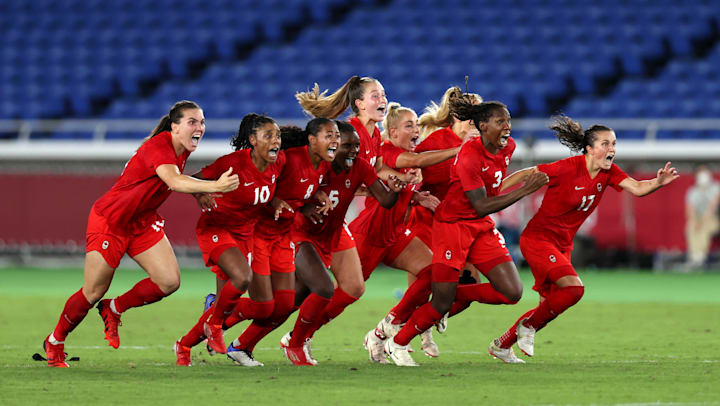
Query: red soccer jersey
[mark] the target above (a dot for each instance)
(239, 210)
(131, 204)
(297, 184)
(436, 178)
(340, 187)
(369, 144)
(381, 223)
(570, 198)
(474, 167)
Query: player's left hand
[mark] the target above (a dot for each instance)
(280, 205)
(206, 201)
(425, 199)
(413, 176)
(667, 174)
(311, 212)
(325, 203)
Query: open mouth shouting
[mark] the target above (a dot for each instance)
(195, 140)
(272, 152)
(609, 159)
(504, 140)
(331, 152)
(414, 142)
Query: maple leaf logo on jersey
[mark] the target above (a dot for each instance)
(105, 244)
(599, 186)
(553, 259)
(215, 238)
(347, 183)
(448, 255)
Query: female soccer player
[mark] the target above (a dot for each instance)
(576, 186)
(225, 230)
(308, 155)
(382, 235)
(325, 243)
(125, 220)
(445, 131)
(462, 230)
(366, 97)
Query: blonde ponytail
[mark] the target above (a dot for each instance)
(394, 110)
(317, 104)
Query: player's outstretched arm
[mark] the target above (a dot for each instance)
(425, 159)
(485, 205)
(176, 181)
(383, 195)
(665, 176)
(517, 177)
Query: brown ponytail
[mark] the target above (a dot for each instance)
(570, 133)
(317, 104)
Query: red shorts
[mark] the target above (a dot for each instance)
(113, 246)
(324, 249)
(213, 241)
(371, 255)
(547, 263)
(421, 224)
(454, 244)
(276, 254)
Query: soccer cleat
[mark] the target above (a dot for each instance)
(398, 354)
(112, 322)
(285, 342)
(242, 357)
(428, 344)
(503, 354)
(526, 338)
(441, 325)
(298, 356)
(374, 346)
(183, 354)
(55, 354)
(385, 328)
(214, 334)
(209, 300)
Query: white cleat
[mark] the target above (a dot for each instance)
(308, 351)
(285, 340)
(285, 343)
(526, 339)
(374, 346)
(399, 354)
(441, 325)
(428, 344)
(242, 357)
(386, 328)
(504, 354)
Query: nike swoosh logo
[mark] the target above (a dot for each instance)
(367, 152)
(485, 168)
(579, 187)
(248, 183)
(303, 180)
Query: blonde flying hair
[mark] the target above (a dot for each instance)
(392, 118)
(317, 104)
(439, 116)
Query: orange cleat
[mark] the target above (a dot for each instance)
(215, 339)
(183, 355)
(112, 322)
(55, 354)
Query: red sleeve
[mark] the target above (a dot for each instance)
(428, 144)
(469, 168)
(367, 173)
(617, 175)
(158, 153)
(553, 170)
(390, 154)
(217, 168)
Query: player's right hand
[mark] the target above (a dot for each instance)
(206, 201)
(535, 181)
(227, 181)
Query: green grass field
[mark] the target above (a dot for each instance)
(634, 339)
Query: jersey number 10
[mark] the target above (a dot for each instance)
(262, 195)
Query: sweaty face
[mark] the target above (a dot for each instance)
(496, 130)
(325, 141)
(347, 150)
(602, 151)
(407, 132)
(373, 103)
(190, 129)
(266, 142)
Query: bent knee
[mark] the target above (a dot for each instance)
(325, 290)
(514, 294)
(169, 286)
(240, 281)
(355, 289)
